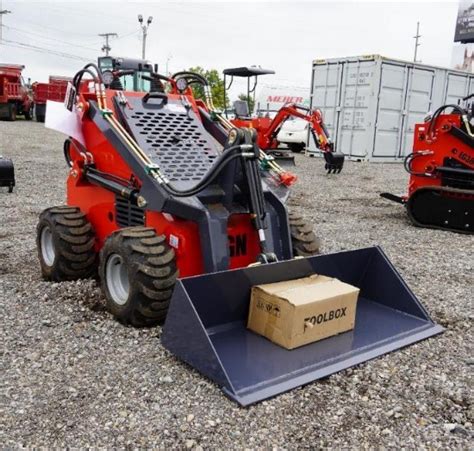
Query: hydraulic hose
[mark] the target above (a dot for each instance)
(78, 78)
(209, 178)
(438, 112)
(96, 68)
(407, 162)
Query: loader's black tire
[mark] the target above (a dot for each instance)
(65, 241)
(296, 147)
(304, 241)
(138, 273)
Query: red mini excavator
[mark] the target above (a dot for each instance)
(441, 168)
(182, 214)
(268, 128)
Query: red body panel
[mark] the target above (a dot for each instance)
(99, 206)
(55, 90)
(442, 145)
(267, 129)
(261, 125)
(11, 88)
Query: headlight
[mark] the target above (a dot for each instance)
(108, 77)
(182, 84)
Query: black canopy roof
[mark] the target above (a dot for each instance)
(247, 71)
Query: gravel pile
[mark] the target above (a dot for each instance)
(73, 376)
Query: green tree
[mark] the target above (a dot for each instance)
(216, 83)
(250, 101)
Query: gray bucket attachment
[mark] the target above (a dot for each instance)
(206, 324)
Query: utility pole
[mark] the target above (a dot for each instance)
(2, 13)
(417, 42)
(106, 47)
(144, 31)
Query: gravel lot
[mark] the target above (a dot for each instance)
(73, 376)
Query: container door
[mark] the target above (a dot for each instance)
(457, 87)
(391, 101)
(326, 96)
(417, 105)
(357, 92)
(471, 86)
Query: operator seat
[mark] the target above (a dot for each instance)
(241, 109)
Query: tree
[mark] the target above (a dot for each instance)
(250, 101)
(216, 83)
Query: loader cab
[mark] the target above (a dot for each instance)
(251, 74)
(129, 82)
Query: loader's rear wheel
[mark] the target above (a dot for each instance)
(65, 242)
(138, 273)
(304, 241)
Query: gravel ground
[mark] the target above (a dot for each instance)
(72, 376)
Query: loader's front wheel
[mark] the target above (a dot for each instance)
(138, 273)
(65, 242)
(304, 241)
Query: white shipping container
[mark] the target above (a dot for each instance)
(371, 104)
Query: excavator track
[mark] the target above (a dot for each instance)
(443, 208)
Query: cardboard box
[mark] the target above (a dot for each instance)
(296, 312)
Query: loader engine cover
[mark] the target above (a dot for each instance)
(7, 173)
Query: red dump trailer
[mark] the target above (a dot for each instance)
(54, 90)
(15, 97)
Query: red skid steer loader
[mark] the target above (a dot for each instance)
(441, 168)
(175, 206)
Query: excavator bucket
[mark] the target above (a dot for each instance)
(206, 324)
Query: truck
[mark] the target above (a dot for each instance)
(15, 96)
(54, 90)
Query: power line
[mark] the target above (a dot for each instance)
(32, 33)
(62, 32)
(127, 35)
(36, 48)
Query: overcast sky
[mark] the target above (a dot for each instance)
(284, 36)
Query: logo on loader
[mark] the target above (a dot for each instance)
(238, 245)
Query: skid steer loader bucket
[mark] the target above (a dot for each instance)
(206, 324)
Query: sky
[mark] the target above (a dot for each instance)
(283, 36)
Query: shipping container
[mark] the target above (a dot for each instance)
(371, 104)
